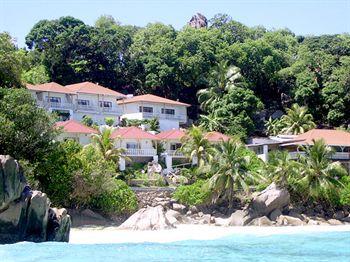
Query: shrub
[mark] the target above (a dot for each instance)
(94, 177)
(109, 121)
(195, 194)
(55, 172)
(118, 199)
(87, 120)
(344, 197)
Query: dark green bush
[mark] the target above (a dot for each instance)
(195, 194)
(120, 199)
(344, 198)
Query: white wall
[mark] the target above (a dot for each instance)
(165, 124)
(144, 143)
(83, 139)
(131, 111)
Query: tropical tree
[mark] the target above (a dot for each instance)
(273, 126)
(282, 170)
(230, 171)
(211, 122)
(106, 145)
(153, 124)
(196, 147)
(223, 77)
(319, 174)
(26, 131)
(297, 120)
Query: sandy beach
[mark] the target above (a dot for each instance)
(94, 235)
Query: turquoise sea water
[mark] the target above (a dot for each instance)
(330, 246)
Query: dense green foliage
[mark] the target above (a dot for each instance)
(231, 170)
(195, 194)
(150, 124)
(295, 122)
(26, 131)
(312, 177)
(120, 199)
(196, 147)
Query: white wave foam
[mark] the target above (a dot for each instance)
(98, 235)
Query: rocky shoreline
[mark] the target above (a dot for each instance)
(271, 207)
(26, 215)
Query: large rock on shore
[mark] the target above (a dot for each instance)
(24, 214)
(240, 218)
(150, 218)
(270, 199)
(12, 181)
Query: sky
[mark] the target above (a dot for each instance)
(303, 17)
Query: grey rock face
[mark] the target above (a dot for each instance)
(24, 214)
(59, 224)
(240, 218)
(270, 199)
(150, 218)
(261, 221)
(198, 21)
(12, 181)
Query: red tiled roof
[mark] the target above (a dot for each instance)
(151, 99)
(72, 126)
(216, 136)
(91, 88)
(133, 133)
(173, 134)
(50, 87)
(331, 137)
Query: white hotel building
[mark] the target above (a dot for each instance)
(89, 99)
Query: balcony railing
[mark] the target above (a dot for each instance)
(140, 152)
(92, 108)
(56, 105)
(335, 156)
(182, 118)
(174, 153)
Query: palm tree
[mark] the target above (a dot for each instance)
(230, 169)
(282, 169)
(297, 120)
(196, 146)
(211, 122)
(273, 126)
(106, 145)
(224, 77)
(319, 173)
(153, 124)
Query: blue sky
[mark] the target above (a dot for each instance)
(302, 17)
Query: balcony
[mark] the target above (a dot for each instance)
(140, 152)
(55, 105)
(174, 153)
(181, 118)
(91, 108)
(335, 156)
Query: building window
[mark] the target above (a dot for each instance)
(146, 109)
(175, 146)
(53, 99)
(105, 104)
(168, 111)
(132, 145)
(83, 102)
